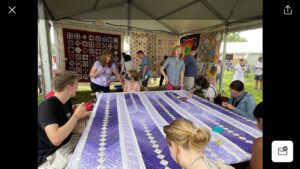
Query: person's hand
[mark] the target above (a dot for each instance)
(224, 104)
(80, 112)
(166, 80)
(181, 86)
(230, 106)
(190, 95)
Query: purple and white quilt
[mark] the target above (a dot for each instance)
(125, 131)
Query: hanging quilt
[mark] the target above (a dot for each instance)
(82, 47)
(210, 45)
(188, 42)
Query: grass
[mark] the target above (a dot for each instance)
(40, 98)
(84, 91)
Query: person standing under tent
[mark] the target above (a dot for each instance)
(238, 72)
(161, 76)
(145, 68)
(102, 71)
(175, 68)
(190, 69)
(259, 72)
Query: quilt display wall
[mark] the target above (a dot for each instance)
(147, 43)
(154, 46)
(165, 46)
(187, 42)
(209, 46)
(82, 47)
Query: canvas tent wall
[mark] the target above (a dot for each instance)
(174, 17)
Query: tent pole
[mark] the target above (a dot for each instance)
(44, 49)
(223, 58)
(129, 26)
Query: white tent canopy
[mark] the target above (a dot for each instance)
(176, 17)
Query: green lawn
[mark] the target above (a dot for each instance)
(83, 93)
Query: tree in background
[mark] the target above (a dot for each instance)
(235, 37)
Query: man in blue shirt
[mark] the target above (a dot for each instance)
(190, 70)
(174, 66)
(145, 68)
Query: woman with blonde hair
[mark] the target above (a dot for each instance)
(101, 73)
(175, 67)
(211, 76)
(187, 143)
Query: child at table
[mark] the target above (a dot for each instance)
(132, 84)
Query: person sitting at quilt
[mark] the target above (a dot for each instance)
(55, 140)
(209, 91)
(187, 145)
(240, 101)
(133, 84)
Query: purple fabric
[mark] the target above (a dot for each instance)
(138, 121)
(149, 156)
(155, 99)
(200, 114)
(216, 149)
(89, 157)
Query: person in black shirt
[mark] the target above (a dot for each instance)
(54, 126)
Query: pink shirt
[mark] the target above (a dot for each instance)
(131, 86)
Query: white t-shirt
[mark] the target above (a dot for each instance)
(122, 64)
(239, 73)
(258, 65)
(129, 65)
(210, 93)
(219, 69)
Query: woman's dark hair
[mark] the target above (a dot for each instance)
(127, 58)
(237, 85)
(165, 57)
(258, 111)
(203, 82)
(140, 52)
